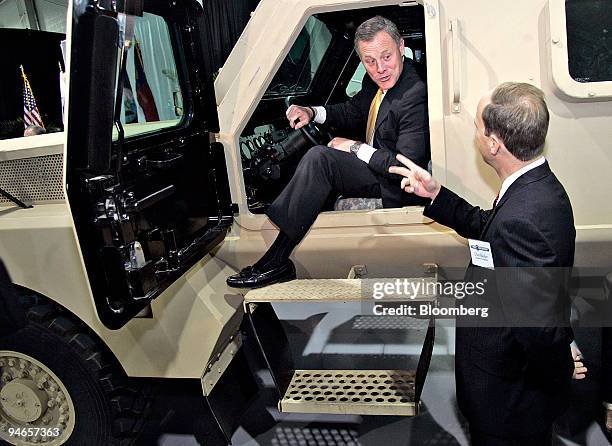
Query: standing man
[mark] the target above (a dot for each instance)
(512, 377)
(390, 112)
(606, 360)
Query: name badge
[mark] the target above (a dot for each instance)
(481, 253)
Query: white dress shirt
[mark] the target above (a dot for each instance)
(366, 151)
(522, 171)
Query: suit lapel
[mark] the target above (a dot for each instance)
(535, 174)
(393, 93)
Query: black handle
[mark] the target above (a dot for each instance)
(171, 160)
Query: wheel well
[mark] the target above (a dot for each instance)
(30, 298)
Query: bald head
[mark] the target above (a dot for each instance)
(33, 130)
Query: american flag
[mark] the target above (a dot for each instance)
(31, 115)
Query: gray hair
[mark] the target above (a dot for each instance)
(33, 130)
(368, 29)
(519, 116)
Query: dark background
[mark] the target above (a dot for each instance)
(40, 54)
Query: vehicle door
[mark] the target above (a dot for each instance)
(148, 190)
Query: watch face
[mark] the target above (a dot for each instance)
(355, 147)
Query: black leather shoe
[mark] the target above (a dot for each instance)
(251, 277)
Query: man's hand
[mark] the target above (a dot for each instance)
(416, 179)
(342, 144)
(579, 368)
(298, 116)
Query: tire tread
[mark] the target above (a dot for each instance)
(129, 400)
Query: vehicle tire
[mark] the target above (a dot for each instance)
(56, 379)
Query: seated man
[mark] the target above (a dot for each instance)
(390, 112)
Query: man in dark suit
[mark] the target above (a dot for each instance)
(512, 373)
(606, 360)
(390, 112)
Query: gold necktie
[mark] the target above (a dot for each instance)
(372, 115)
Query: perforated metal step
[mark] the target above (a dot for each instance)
(359, 392)
(342, 290)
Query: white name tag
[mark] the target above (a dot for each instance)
(481, 253)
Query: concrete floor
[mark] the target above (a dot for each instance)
(335, 336)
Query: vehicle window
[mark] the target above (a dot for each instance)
(589, 39)
(298, 70)
(354, 85)
(151, 96)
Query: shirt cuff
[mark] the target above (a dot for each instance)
(365, 152)
(320, 115)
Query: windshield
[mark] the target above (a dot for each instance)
(298, 70)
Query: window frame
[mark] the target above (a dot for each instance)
(235, 114)
(557, 44)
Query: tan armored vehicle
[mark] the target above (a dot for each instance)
(120, 231)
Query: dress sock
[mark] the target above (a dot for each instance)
(278, 254)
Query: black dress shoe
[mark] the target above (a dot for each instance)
(251, 277)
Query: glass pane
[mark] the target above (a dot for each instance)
(589, 39)
(299, 68)
(151, 98)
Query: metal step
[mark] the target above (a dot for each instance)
(339, 290)
(358, 392)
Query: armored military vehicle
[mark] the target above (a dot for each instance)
(120, 231)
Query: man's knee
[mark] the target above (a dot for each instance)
(316, 155)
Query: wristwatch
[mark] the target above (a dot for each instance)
(354, 148)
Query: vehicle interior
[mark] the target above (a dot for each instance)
(321, 68)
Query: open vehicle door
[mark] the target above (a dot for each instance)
(148, 189)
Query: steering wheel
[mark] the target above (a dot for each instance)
(315, 133)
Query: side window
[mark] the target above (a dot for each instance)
(298, 70)
(589, 40)
(581, 47)
(354, 85)
(151, 97)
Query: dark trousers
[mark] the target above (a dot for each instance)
(322, 173)
(481, 439)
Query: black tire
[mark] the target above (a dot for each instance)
(109, 408)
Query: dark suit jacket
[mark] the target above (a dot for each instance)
(513, 379)
(402, 126)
